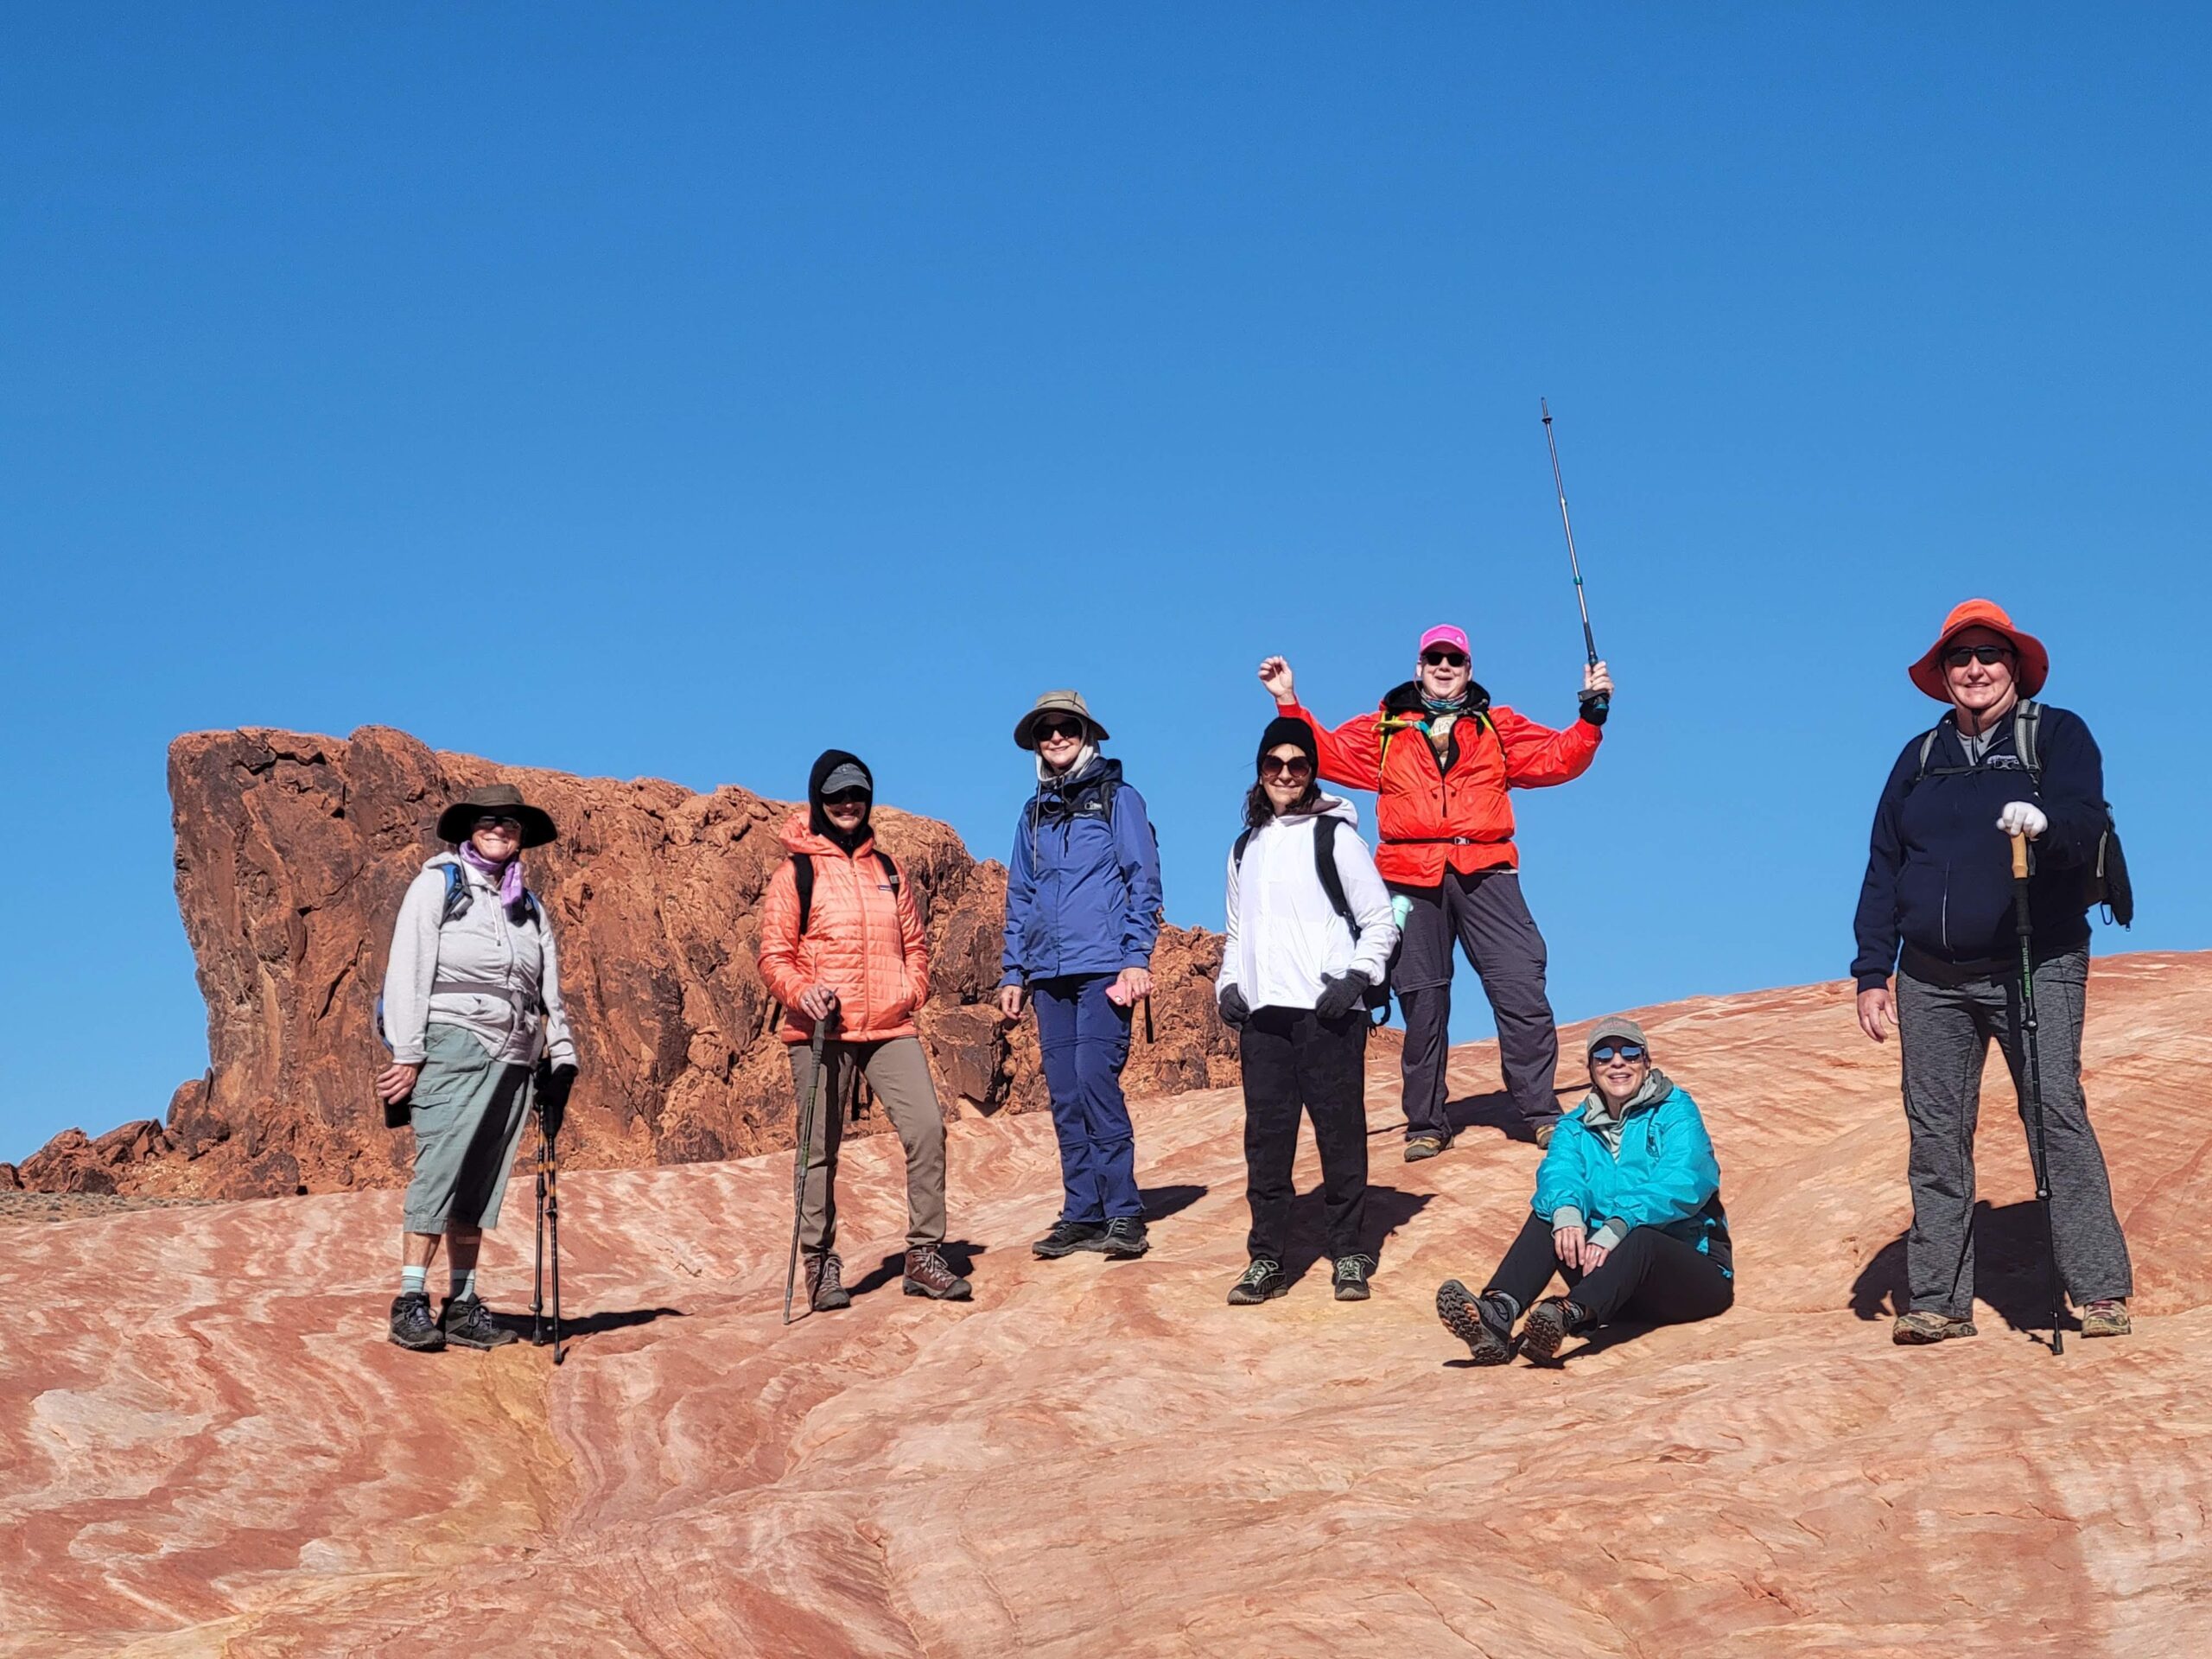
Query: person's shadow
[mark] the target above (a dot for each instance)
(588, 1324)
(2013, 1270)
(1495, 1110)
(1162, 1202)
(1388, 1208)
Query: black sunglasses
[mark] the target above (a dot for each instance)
(1441, 659)
(1606, 1052)
(847, 798)
(492, 820)
(1049, 729)
(1273, 766)
(1960, 656)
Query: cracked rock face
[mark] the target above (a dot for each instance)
(292, 854)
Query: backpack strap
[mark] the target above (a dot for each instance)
(802, 879)
(1324, 866)
(2027, 720)
(457, 897)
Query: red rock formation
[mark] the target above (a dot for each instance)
(293, 852)
(206, 1445)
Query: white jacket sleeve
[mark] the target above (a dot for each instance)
(413, 967)
(1232, 950)
(559, 1047)
(1370, 905)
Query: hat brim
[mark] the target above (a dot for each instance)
(1025, 729)
(2034, 661)
(458, 822)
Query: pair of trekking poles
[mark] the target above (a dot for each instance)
(549, 1227)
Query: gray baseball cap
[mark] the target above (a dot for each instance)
(1615, 1028)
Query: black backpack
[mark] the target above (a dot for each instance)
(1378, 997)
(2105, 882)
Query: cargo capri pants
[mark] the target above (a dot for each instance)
(467, 1111)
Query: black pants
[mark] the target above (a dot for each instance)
(1294, 1060)
(1486, 915)
(1649, 1276)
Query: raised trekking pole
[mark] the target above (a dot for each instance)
(815, 1045)
(2023, 926)
(1599, 703)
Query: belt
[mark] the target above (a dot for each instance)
(519, 1002)
(1439, 841)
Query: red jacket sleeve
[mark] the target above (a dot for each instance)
(1536, 756)
(1351, 754)
(913, 941)
(780, 964)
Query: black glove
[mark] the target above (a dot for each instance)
(554, 1083)
(1340, 995)
(1235, 1010)
(1596, 705)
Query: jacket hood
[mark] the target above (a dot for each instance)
(827, 762)
(1407, 699)
(1323, 805)
(799, 835)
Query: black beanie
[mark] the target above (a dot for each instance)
(1288, 729)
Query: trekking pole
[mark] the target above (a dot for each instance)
(816, 1044)
(2023, 925)
(537, 1268)
(549, 1181)
(1600, 701)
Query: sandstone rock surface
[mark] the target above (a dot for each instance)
(209, 1447)
(292, 853)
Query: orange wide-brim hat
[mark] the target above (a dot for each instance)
(2034, 666)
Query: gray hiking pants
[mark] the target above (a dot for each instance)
(1486, 914)
(898, 1073)
(1945, 1029)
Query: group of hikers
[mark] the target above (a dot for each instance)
(1321, 931)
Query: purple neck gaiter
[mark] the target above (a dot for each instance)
(509, 873)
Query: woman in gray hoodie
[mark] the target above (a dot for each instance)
(471, 1003)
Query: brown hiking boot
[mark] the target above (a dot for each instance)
(929, 1275)
(825, 1283)
(2106, 1317)
(1924, 1325)
(1420, 1146)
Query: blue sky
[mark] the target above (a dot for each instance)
(849, 374)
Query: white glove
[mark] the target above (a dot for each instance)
(2022, 818)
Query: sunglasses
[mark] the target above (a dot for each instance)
(1960, 656)
(1606, 1052)
(1440, 657)
(512, 826)
(1290, 770)
(846, 797)
(1051, 731)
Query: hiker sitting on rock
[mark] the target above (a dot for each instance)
(1937, 907)
(1441, 759)
(1627, 1210)
(1310, 931)
(1082, 916)
(472, 1001)
(841, 939)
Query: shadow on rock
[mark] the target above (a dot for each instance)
(590, 1324)
(1495, 1110)
(1388, 1208)
(1162, 1202)
(2011, 1272)
(959, 1255)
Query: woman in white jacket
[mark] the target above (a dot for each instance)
(1295, 973)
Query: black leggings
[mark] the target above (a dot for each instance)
(1649, 1276)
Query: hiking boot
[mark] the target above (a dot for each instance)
(825, 1283)
(468, 1324)
(1426, 1146)
(1549, 1324)
(1484, 1323)
(1351, 1277)
(412, 1325)
(2106, 1317)
(1067, 1237)
(1924, 1325)
(1125, 1238)
(1264, 1279)
(929, 1275)
(1543, 1132)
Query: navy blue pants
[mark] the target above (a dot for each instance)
(1086, 1039)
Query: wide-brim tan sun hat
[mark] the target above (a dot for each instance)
(2034, 661)
(1056, 702)
(496, 800)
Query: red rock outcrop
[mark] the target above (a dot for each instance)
(206, 1445)
(292, 853)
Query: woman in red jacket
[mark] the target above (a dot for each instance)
(857, 950)
(1440, 759)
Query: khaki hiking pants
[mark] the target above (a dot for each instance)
(898, 1073)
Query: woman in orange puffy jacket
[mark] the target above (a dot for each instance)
(841, 939)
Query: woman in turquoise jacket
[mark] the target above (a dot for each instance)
(1627, 1210)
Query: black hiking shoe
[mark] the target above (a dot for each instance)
(1482, 1322)
(1262, 1281)
(468, 1324)
(1125, 1238)
(412, 1325)
(1351, 1277)
(1548, 1323)
(1067, 1237)
(825, 1284)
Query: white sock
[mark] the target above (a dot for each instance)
(413, 1281)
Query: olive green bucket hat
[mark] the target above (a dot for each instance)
(499, 801)
(1056, 702)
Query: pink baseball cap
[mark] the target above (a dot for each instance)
(1444, 634)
